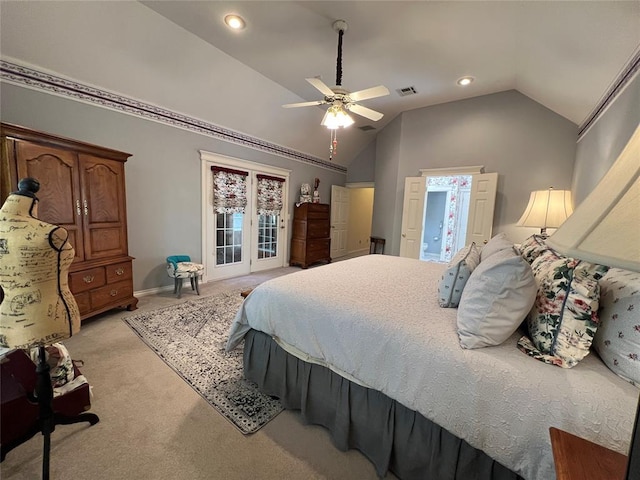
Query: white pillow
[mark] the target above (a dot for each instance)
(496, 299)
(456, 275)
(496, 244)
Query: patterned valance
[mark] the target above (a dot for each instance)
(269, 195)
(229, 190)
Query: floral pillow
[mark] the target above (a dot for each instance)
(564, 317)
(617, 339)
(456, 275)
(532, 247)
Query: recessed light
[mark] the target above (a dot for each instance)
(234, 21)
(464, 81)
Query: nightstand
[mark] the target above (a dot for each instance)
(578, 459)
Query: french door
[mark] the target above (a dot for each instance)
(239, 241)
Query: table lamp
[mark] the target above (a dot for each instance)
(546, 209)
(605, 229)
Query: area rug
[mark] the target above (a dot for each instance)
(190, 338)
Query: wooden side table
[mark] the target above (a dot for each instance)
(578, 459)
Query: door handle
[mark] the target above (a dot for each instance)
(404, 235)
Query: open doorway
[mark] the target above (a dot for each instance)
(446, 216)
(351, 219)
(467, 215)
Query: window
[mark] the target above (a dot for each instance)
(229, 238)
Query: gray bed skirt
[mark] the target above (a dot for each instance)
(390, 435)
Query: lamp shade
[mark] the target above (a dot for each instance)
(336, 117)
(605, 228)
(547, 209)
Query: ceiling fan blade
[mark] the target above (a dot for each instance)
(304, 104)
(373, 92)
(321, 86)
(365, 112)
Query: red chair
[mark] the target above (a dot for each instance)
(19, 408)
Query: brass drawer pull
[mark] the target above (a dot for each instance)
(120, 271)
(113, 293)
(88, 278)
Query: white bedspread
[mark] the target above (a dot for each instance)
(376, 319)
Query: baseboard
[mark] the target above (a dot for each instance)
(152, 291)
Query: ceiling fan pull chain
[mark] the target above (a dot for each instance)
(339, 64)
(333, 143)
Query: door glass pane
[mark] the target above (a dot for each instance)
(267, 236)
(229, 238)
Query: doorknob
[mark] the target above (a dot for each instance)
(403, 235)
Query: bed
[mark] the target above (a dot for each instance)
(363, 347)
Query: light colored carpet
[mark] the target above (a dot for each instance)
(153, 425)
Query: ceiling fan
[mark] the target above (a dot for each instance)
(339, 98)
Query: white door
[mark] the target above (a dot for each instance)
(481, 207)
(339, 220)
(413, 206)
(267, 234)
(236, 244)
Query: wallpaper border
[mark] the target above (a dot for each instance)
(47, 82)
(621, 81)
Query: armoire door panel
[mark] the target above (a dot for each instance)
(105, 232)
(105, 242)
(59, 194)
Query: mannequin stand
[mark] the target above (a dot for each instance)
(47, 419)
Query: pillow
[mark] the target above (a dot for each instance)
(617, 339)
(456, 275)
(532, 247)
(564, 317)
(496, 300)
(496, 244)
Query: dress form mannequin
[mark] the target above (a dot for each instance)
(38, 308)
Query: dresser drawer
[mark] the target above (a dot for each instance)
(319, 214)
(111, 293)
(87, 279)
(84, 302)
(318, 229)
(118, 272)
(319, 245)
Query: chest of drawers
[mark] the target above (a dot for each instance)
(311, 237)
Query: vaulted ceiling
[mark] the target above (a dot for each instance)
(563, 55)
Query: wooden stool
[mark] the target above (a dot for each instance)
(245, 293)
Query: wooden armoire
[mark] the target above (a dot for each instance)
(82, 188)
(311, 237)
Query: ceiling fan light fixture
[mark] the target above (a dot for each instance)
(336, 117)
(235, 22)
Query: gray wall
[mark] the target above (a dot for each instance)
(601, 144)
(530, 147)
(362, 168)
(386, 176)
(163, 176)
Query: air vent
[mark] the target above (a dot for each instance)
(403, 92)
(366, 128)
